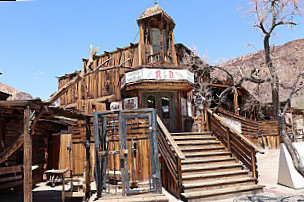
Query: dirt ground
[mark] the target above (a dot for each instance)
(268, 167)
(268, 174)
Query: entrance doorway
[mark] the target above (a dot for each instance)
(163, 102)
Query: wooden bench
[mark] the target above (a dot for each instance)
(77, 188)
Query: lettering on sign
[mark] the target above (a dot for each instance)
(131, 103)
(157, 74)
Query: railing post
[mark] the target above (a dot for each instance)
(228, 138)
(207, 118)
(179, 170)
(253, 164)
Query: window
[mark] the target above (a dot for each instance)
(155, 40)
(151, 102)
(165, 105)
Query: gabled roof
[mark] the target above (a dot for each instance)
(153, 11)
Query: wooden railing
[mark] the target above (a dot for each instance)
(171, 157)
(168, 58)
(157, 57)
(154, 58)
(239, 145)
(262, 133)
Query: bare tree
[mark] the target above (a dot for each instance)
(269, 15)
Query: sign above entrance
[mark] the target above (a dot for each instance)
(157, 74)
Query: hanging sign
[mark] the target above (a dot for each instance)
(157, 74)
(131, 103)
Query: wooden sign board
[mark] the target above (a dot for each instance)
(157, 74)
(130, 103)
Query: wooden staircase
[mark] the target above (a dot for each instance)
(209, 171)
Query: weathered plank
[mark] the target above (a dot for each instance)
(27, 158)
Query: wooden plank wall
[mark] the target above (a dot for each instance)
(269, 134)
(249, 128)
(12, 129)
(101, 83)
(79, 136)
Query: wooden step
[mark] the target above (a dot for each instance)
(183, 138)
(197, 162)
(221, 193)
(218, 184)
(207, 155)
(197, 142)
(215, 148)
(203, 148)
(212, 168)
(192, 133)
(206, 177)
(185, 146)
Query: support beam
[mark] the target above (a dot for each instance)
(88, 162)
(236, 104)
(27, 157)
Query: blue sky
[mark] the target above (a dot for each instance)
(42, 39)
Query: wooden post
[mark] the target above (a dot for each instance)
(236, 105)
(253, 164)
(27, 157)
(162, 52)
(228, 138)
(87, 166)
(2, 135)
(180, 181)
(141, 45)
(174, 56)
(206, 119)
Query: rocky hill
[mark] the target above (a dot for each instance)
(289, 62)
(15, 94)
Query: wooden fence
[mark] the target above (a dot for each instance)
(262, 133)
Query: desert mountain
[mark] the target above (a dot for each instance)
(288, 60)
(15, 94)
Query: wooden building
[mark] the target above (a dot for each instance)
(150, 73)
(28, 133)
(155, 74)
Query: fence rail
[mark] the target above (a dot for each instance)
(239, 145)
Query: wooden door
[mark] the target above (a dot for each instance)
(163, 102)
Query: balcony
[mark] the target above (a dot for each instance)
(154, 58)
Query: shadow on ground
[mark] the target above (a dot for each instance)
(262, 198)
(39, 196)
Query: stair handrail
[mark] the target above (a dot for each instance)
(171, 158)
(237, 144)
(256, 148)
(170, 139)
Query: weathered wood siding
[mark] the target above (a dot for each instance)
(104, 82)
(79, 137)
(11, 128)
